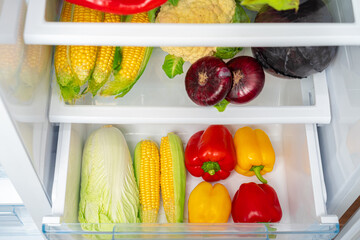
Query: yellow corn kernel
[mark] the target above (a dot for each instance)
(11, 56)
(133, 63)
(132, 57)
(140, 18)
(10, 61)
(32, 71)
(149, 185)
(83, 58)
(104, 60)
(66, 13)
(61, 60)
(35, 61)
(167, 179)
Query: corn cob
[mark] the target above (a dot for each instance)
(11, 56)
(104, 60)
(64, 75)
(133, 63)
(35, 61)
(10, 60)
(172, 177)
(147, 174)
(83, 58)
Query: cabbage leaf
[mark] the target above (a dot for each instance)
(279, 5)
(173, 65)
(108, 193)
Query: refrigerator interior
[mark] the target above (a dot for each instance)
(31, 96)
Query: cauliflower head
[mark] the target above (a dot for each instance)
(195, 11)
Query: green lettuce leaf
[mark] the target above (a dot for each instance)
(240, 16)
(152, 14)
(221, 106)
(173, 66)
(227, 52)
(117, 60)
(279, 5)
(173, 2)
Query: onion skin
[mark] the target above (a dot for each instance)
(248, 79)
(208, 81)
(295, 62)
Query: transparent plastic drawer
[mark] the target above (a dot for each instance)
(297, 178)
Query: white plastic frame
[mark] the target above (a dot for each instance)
(40, 31)
(317, 113)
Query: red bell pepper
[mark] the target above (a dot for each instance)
(256, 203)
(210, 154)
(123, 7)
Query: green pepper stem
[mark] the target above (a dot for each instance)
(257, 170)
(211, 167)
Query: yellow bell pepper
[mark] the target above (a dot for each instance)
(254, 152)
(209, 204)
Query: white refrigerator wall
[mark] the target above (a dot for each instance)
(339, 140)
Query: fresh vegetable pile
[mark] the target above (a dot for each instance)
(208, 11)
(115, 189)
(211, 82)
(212, 155)
(207, 81)
(110, 70)
(204, 11)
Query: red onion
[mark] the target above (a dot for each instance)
(208, 81)
(248, 79)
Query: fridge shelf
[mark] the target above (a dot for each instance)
(157, 99)
(42, 28)
(297, 179)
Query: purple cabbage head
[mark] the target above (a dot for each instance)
(295, 62)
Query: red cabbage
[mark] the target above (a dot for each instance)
(295, 62)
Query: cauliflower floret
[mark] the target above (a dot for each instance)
(190, 54)
(195, 11)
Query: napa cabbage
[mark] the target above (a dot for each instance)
(108, 191)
